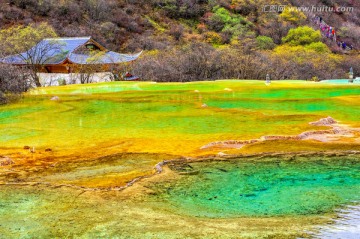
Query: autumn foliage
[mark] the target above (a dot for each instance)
(235, 38)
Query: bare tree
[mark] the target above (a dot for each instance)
(13, 81)
(201, 62)
(29, 48)
(88, 64)
(40, 54)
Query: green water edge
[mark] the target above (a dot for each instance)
(265, 187)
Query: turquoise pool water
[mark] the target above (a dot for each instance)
(341, 81)
(262, 188)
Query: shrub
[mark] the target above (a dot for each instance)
(222, 19)
(25, 4)
(67, 12)
(245, 7)
(293, 16)
(182, 9)
(213, 38)
(13, 14)
(61, 81)
(201, 27)
(265, 43)
(276, 29)
(315, 79)
(318, 47)
(302, 62)
(97, 9)
(302, 36)
(177, 31)
(109, 29)
(44, 7)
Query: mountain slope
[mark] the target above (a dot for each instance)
(157, 24)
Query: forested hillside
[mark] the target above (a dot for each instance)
(206, 39)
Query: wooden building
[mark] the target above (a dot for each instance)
(70, 55)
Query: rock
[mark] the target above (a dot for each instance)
(55, 98)
(324, 122)
(228, 89)
(230, 144)
(221, 154)
(4, 161)
(196, 91)
(204, 105)
(159, 167)
(26, 147)
(276, 137)
(310, 133)
(48, 150)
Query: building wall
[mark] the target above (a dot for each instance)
(55, 79)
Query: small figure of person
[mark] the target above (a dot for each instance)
(344, 45)
(316, 19)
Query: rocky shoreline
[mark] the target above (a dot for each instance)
(178, 164)
(338, 131)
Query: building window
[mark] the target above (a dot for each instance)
(91, 46)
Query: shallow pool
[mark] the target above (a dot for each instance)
(263, 188)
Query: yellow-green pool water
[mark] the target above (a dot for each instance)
(175, 118)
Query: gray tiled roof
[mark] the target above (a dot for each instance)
(109, 57)
(62, 49)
